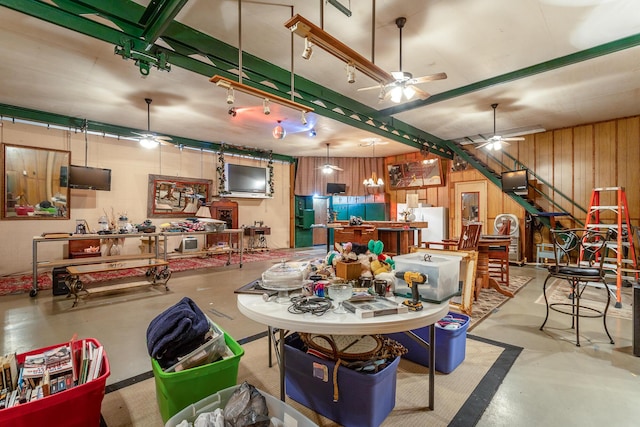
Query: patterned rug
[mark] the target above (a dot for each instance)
(558, 292)
(490, 300)
(24, 282)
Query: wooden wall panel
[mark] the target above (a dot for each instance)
(544, 164)
(628, 156)
(582, 167)
(563, 168)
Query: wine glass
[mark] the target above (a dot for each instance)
(340, 292)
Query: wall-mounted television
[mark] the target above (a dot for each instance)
(88, 178)
(246, 181)
(515, 182)
(336, 188)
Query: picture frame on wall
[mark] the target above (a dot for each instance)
(417, 174)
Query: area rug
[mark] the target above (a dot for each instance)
(558, 292)
(133, 402)
(24, 282)
(490, 300)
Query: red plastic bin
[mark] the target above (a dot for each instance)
(78, 406)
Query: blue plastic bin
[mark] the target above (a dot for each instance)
(364, 400)
(451, 345)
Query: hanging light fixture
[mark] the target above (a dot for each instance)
(374, 181)
(278, 131)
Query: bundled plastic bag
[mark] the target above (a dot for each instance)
(246, 407)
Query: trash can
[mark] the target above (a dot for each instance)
(451, 344)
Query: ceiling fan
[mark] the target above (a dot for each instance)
(151, 140)
(403, 85)
(328, 168)
(496, 141)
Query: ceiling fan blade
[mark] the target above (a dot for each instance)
(429, 78)
(484, 144)
(336, 168)
(401, 75)
(515, 138)
(420, 93)
(371, 87)
(162, 138)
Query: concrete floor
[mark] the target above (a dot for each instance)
(553, 382)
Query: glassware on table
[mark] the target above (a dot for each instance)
(339, 292)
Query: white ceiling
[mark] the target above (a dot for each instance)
(54, 69)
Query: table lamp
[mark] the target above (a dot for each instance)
(203, 212)
(412, 203)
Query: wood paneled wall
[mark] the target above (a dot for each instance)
(572, 160)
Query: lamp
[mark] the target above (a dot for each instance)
(203, 212)
(231, 98)
(303, 119)
(233, 85)
(351, 73)
(412, 203)
(374, 181)
(308, 51)
(316, 35)
(265, 107)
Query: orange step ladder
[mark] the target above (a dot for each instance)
(614, 215)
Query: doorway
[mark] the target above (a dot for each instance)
(470, 205)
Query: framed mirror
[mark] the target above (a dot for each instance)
(35, 184)
(470, 206)
(417, 174)
(176, 196)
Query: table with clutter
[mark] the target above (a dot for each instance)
(278, 312)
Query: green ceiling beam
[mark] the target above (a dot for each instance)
(187, 41)
(162, 14)
(76, 124)
(563, 61)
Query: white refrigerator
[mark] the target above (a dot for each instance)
(437, 219)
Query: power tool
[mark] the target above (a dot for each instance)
(413, 279)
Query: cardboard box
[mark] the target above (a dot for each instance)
(348, 270)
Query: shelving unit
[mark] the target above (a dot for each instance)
(39, 265)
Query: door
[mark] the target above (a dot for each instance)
(321, 209)
(470, 205)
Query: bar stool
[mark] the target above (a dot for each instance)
(586, 271)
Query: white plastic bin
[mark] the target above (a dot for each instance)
(442, 272)
(277, 409)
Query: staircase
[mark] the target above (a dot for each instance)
(529, 202)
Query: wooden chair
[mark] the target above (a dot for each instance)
(499, 256)
(468, 240)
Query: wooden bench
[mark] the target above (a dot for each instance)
(158, 272)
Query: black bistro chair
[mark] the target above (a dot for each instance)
(580, 260)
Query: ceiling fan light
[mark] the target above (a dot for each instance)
(327, 170)
(409, 92)
(148, 143)
(396, 94)
(497, 145)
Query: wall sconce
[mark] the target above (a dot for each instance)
(233, 85)
(316, 35)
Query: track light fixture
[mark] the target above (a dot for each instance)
(312, 132)
(351, 73)
(232, 111)
(308, 51)
(232, 85)
(303, 119)
(265, 107)
(231, 98)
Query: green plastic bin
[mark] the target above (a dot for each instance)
(177, 390)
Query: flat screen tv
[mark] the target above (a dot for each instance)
(515, 182)
(88, 178)
(336, 188)
(246, 181)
